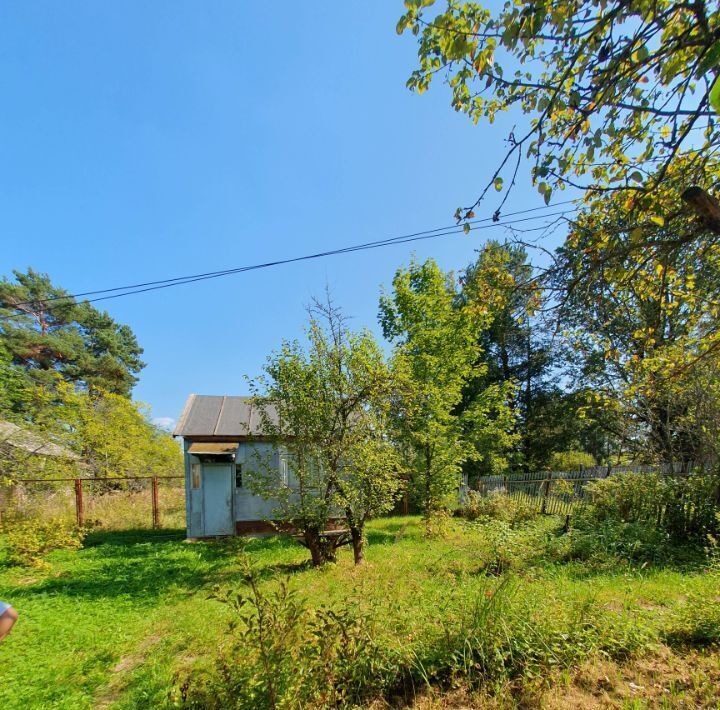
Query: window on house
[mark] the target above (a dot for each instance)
(238, 475)
(283, 471)
(195, 472)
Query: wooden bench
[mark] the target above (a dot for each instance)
(339, 537)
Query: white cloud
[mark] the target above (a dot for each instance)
(167, 423)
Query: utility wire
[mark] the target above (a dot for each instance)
(389, 240)
(403, 239)
(308, 257)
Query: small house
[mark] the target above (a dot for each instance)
(224, 442)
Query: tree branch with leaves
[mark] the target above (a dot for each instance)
(608, 95)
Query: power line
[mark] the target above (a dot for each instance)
(380, 242)
(166, 283)
(128, 290)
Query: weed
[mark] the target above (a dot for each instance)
(29, 540)
(498, 506)
(417, 619)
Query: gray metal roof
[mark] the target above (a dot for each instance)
(16, 437)
(208, 415)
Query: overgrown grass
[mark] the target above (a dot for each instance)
(108, 509)
(127, 620)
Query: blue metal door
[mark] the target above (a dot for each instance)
(218, 499)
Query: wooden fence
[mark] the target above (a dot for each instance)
(562, 492)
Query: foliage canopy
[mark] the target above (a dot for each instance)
(612, 91)
(332, 401)
(44, 331)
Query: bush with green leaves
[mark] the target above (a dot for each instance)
(612, 540)
(280, 653)
(28, 540)
(503, 548)
(681, 507)
(646, 518)
(496, 506)
(571, 460)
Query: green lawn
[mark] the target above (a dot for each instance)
(112, 624)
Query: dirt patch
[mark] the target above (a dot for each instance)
(132, 661)
(665, 678)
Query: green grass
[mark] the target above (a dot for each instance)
(112, 624)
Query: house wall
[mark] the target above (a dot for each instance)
(249, 510)
(193, 499)
(254, 456)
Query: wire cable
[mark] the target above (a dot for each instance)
(120, 291)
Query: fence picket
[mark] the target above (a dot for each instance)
(534, 488)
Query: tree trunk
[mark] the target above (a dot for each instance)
(358, 544)
(528, 402)
(504, 358)
(322, 549)
(312, 542)
(429, 511)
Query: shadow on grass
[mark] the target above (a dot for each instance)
(284, 569)
(269, 543)
(138, 566)
(579, 569)
(133, 536)
(391, 532)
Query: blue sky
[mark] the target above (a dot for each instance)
(149, 140)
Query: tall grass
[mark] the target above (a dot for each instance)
(107, 508)
(475, 625)
(131, 619)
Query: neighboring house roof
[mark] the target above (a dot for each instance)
(220, 416)
(17, 437)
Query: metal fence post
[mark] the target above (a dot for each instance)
(79, 507)
(155, 505)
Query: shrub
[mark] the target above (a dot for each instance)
(496, 506)
(281, 654)
(571, 460)
(29, 539)
(680, 506)
(712, 552)
(591, 539)
(343, 661)
(503, 548)
(646, 518)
